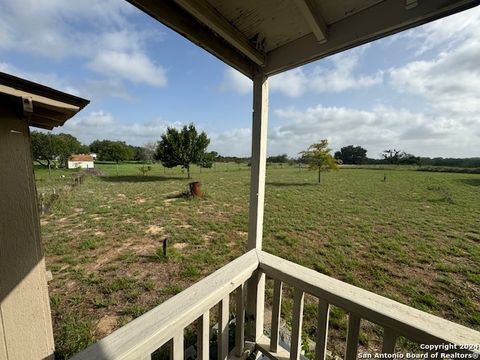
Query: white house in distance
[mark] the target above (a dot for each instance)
(80, 161)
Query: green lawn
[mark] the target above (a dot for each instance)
(414, 238)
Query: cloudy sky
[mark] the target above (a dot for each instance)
(417, 91)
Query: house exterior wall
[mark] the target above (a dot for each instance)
(80, 164)
(25, 320)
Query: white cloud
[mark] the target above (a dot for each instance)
(337, 73)
(449, 81)
(376, 129)
(95, 119)
(445, 33)
(342, 75)
(135, 67)
(48, 27)
(236, 142)
(235, 81)
(292, 83)
(103, 125)
(107, 88)
(97, 32)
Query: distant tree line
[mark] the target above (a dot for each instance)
(234, 159)
(356, 155)
(182, 147)
(451, 162)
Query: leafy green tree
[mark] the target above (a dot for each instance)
(182, 147)
(351, 155)
(67, 145)
(208, 159)
(116, 151)
(44, 147)
(84, 149)
(96, 146)
(47, 148)
(108, 150)
(319, 158)
(139, 153)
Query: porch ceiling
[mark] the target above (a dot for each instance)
(277, 35)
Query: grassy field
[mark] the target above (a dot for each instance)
(414, 238)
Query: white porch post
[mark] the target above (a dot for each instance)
(259, 160)
(256, 285)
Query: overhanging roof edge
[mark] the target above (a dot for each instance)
(389, 11)
(51, 107)
(382, 19)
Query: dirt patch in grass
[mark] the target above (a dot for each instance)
(106, 325)
(137, 247)
(208, 237)
(180, 246)
(154, 230)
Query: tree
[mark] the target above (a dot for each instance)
(108, 150)
(116, 151)
(44, 147)
(139, 153)
(182, 147)
(318, 157)
(96, 145)
(391, 156)
(48, 148)
(150, 148)
(409, 159)
(208, 159)
(278, 159)
(351, 155)
(398, 157)
(67, 145)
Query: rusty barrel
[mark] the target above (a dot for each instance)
(196, 189)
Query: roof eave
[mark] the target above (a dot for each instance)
(50, 107)
(199, 22)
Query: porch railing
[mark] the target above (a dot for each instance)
(141, 337)
(396, 319)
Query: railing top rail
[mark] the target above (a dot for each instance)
(151, 330)
(405, 320)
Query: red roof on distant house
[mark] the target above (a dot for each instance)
(81, 157)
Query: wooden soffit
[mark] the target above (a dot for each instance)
(277, 35)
